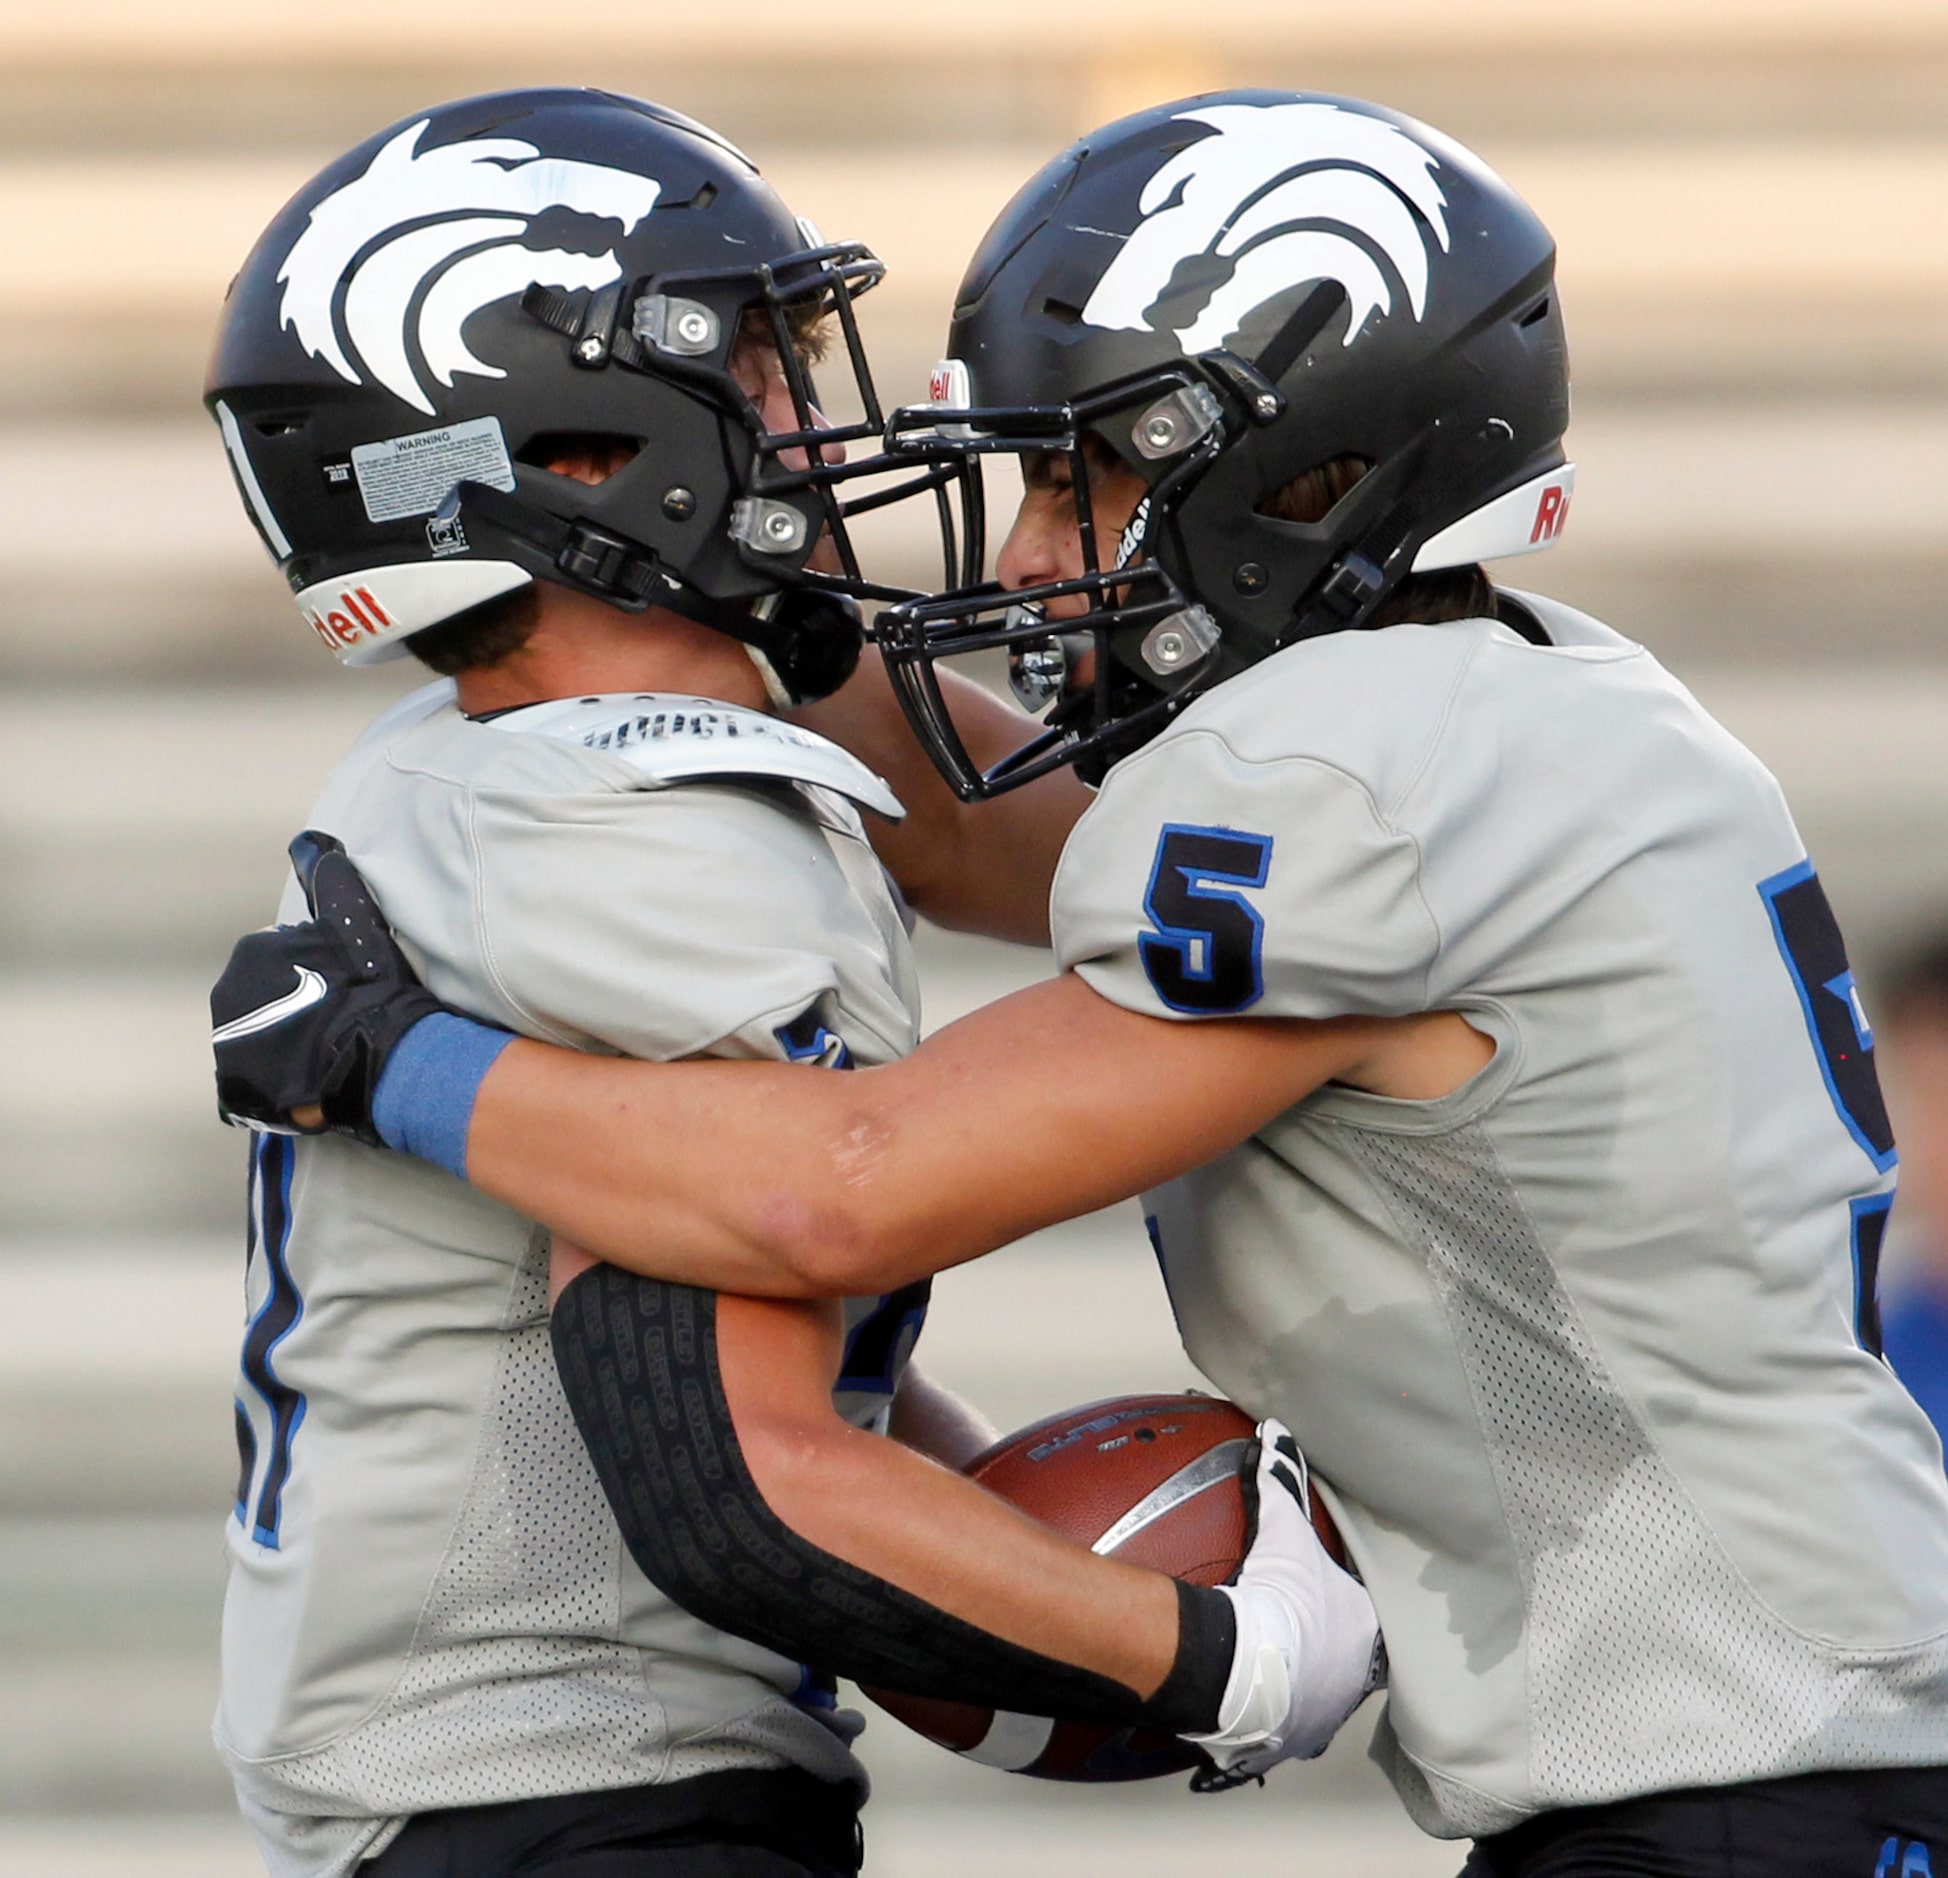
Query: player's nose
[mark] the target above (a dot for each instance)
(779, 414)
(1031, 554)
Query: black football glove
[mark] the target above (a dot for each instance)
(306, 1016)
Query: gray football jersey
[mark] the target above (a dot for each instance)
(1585, 1351)
(429, 1601)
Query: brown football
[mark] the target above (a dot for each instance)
(1154, 1480)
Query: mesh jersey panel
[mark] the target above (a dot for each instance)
(516, 1685)
(1647, 1650)
(1574, 1349)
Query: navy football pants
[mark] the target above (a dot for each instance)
(1881, 1823)
(732, 1825)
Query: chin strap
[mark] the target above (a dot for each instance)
(805, 642)
(777, 694)
(1356, 583)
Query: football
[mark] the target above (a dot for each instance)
(1155, 1480)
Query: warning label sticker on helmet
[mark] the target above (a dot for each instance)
(413, 475)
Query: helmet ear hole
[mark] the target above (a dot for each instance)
(1313, 494)
(587, 456)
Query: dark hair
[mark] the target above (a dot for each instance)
(483, 635)
(1445, 594)
(496, 629)
(809, 323)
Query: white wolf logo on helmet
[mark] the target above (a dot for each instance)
(428, 196)
(1287, 193)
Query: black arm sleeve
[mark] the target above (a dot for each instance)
(638, 1359)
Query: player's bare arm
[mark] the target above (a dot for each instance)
(894, 1508)
(758, 1178)
(754, 1178)
(971, 867)
(999, 1611)
(906, 1518)
(941, 1588)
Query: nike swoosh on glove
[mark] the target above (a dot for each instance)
(1309, 1649)
(306, 1016)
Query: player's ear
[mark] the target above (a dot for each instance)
(581, 466)
(585, 459)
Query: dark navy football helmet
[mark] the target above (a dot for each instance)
(430, 315)
(1225, 293)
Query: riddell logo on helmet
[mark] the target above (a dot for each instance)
(1551, 511)
(947, 384)
(356, 616)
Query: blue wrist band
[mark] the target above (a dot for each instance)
(424, 1102)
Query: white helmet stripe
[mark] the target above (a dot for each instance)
(470, 284)
(471, 192)
(1291, 166)
(253, 490)
(383, 287)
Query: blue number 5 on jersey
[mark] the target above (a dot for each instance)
(1207, 954)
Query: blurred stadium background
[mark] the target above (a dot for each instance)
(1749, 200)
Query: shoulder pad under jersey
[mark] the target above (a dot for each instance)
(667, 739)
(405, 712)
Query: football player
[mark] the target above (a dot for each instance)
(521, 386)
(1459, 994)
